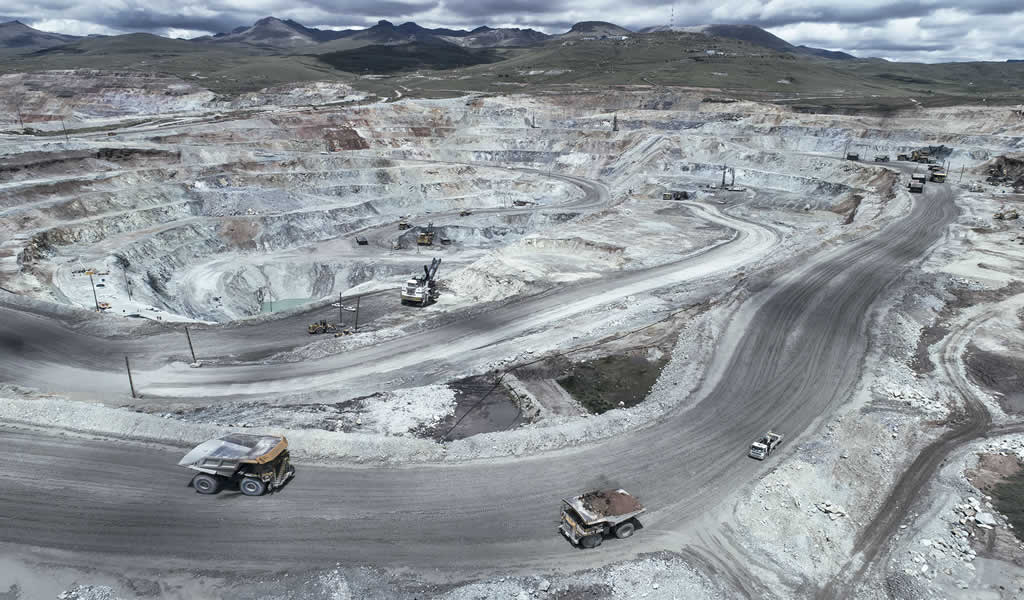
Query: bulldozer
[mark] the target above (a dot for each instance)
(321, 326)
(421, 291)
(426, 237)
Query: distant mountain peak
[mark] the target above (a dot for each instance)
(595, 28)
(15, 34)
(592, 26)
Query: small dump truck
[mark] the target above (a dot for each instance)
(916, 187)
(853, 156)
(765, 445)
(903, 157)
(920, 177)
(255, 463)
(588, 518)
(934, 168)
(938, 177)
(403, 224)
(881, 158)
(465, 212)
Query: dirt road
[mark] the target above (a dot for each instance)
(797, 355)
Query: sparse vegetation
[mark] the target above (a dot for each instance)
(1008, 497)
(612, 381)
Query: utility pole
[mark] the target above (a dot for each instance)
(961, 174)
(66, 140)
(190, 348)
(846, 150)
(341, 311)
(733, 184)
(131, 383)
(355, 327)
(724, 170)
(94, 298)
(615, 122)
(127, 284)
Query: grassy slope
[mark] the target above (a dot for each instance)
(224, 69)
(661, 59)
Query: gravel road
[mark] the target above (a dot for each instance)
(795, 360)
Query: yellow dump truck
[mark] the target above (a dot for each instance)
(255, 463)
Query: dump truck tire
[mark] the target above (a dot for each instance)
(624, 530)
(206, 484)
(591, 541)
(252, 487)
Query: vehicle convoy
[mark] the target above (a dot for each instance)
(256, 463)
(763, 447)
(588, 518)
(321, 326)
(422, 290)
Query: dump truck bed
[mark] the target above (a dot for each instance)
(236, 448)
(605, 505)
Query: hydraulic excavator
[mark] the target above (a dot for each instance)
(421, 291)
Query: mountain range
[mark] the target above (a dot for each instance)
(273, 35)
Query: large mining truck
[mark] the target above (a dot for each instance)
(765, 445)
(255, 463)
(422, 291)
(426, 237)
(588, 518)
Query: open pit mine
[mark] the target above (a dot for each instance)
(441, 338)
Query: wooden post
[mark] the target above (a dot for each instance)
(190, 348)
(130, 382)
(94, 298)
(961, 173)
(356, 326)
(66, 140)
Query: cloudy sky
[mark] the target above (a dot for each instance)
(919, 30)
